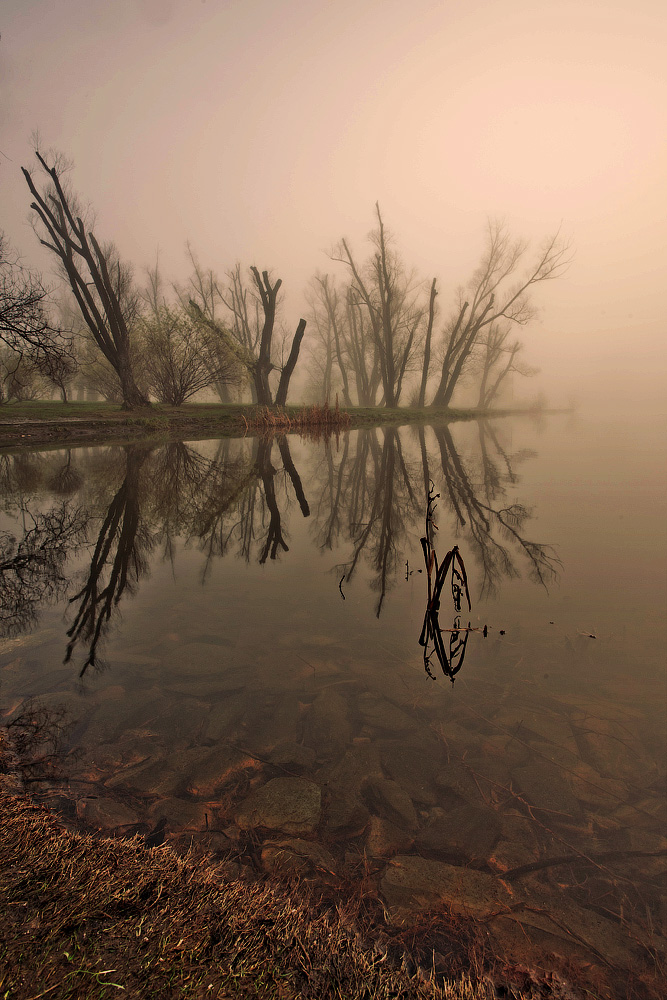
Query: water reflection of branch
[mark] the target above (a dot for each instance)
(369, 498)
(436, 576)
(121, 549)
(32, 569)
(482, 517)
(381, 497)
(275, 539)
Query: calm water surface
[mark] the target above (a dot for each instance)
(232, 628)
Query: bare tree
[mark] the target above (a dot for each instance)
(98, 280)
(19, 378)
(33, 345)
(59, 369)
(421, 399)
(203, 289)
(330, 355)
(499, 358)
(491, 298)
(253, 316)
(181, 354)
(389, 299)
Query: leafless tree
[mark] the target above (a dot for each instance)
(491, 298)
(203, 289)
(388, 296)
(181, 354)
(499, 357)
(421, 399)
(18, 377)
(253, 320)
(329, 355)
(59, 369)
(33, 345)
(99, 281)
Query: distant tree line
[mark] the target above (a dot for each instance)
(378, 337)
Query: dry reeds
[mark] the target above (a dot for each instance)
(309, 419)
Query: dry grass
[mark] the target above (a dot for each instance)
(307, 418)
(83, 917)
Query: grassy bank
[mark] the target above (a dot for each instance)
(84, 917)
(45, 422)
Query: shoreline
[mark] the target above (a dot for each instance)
(26, 425)
(87, 915)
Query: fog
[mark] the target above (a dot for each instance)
(265, 132)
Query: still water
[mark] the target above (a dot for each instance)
(232, 629)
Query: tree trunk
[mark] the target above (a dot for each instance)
(286, 374)
(133, 397)
(427, 346)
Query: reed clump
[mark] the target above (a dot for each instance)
(307, 418)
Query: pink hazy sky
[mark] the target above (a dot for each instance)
(264, 131)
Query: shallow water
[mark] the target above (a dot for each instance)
(239, 623)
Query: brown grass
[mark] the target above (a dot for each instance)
(83, 917)
(307, 418)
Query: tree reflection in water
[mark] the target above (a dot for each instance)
(368, 495)
(118, 563)
(32, 569)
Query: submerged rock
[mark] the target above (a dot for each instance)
(547, 787)
(386, 798)
(379, 714)
(327, 727)
(292, 756)
(468, 830)
(296, 857)
(105, 814)
(345, 814)
(411, 883)
(384, 838)
(180, 814)
(291, 805)
(414, 764)
(215, 768)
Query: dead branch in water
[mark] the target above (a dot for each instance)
(437, 573)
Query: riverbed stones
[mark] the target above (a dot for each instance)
(384, 838)
(291, 805)
(517, 845)
(469, 830)
(105, 813)
(225, 714)
(414, 764)
(381, 715)
(411, 883)
(546, 787)
(154, 778)
(211, 769)
(292, 756)
(386, 798)
(180, 814)
(456, 777)
(345, 814)
(327, 727)
(297, 857)
(596, 792)
(359, 763)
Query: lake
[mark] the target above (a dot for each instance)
(230, 630)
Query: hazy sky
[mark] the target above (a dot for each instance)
(264, 131)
